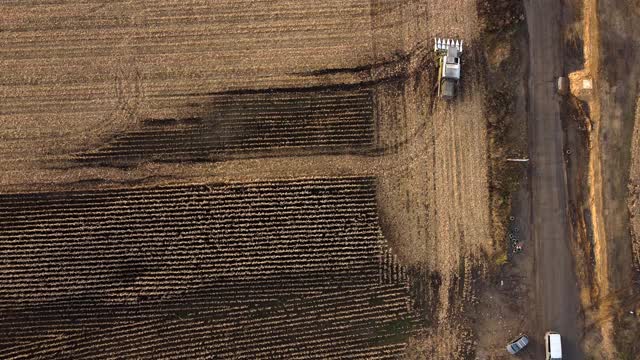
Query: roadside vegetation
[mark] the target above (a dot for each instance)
(507, 132)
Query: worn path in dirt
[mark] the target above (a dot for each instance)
(556, 288)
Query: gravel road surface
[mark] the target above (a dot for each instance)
(556, 288)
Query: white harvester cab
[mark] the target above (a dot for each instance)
(448, 52)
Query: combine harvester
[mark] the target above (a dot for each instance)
(448, 52)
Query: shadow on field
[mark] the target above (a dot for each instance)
(251, 123)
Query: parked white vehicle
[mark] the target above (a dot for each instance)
(553, 346)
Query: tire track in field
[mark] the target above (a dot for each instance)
(60, 60)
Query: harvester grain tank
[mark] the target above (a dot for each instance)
(448, 52)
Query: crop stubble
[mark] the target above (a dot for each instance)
(74, 73)
(90, 92)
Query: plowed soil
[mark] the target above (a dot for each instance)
(124, 97)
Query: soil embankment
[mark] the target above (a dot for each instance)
(612, 39)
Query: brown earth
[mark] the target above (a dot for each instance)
(77, 76)
(610, 293)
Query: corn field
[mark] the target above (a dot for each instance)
(285, 269)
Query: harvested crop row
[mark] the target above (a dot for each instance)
(76, 74)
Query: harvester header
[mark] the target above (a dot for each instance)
(445, 44)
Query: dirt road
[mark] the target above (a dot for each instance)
(556, 287)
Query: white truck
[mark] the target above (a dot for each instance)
(552, 346)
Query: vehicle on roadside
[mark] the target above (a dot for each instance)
(553, 346)
(517, 344)
(563, 86)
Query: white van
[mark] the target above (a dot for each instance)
(553, 346)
